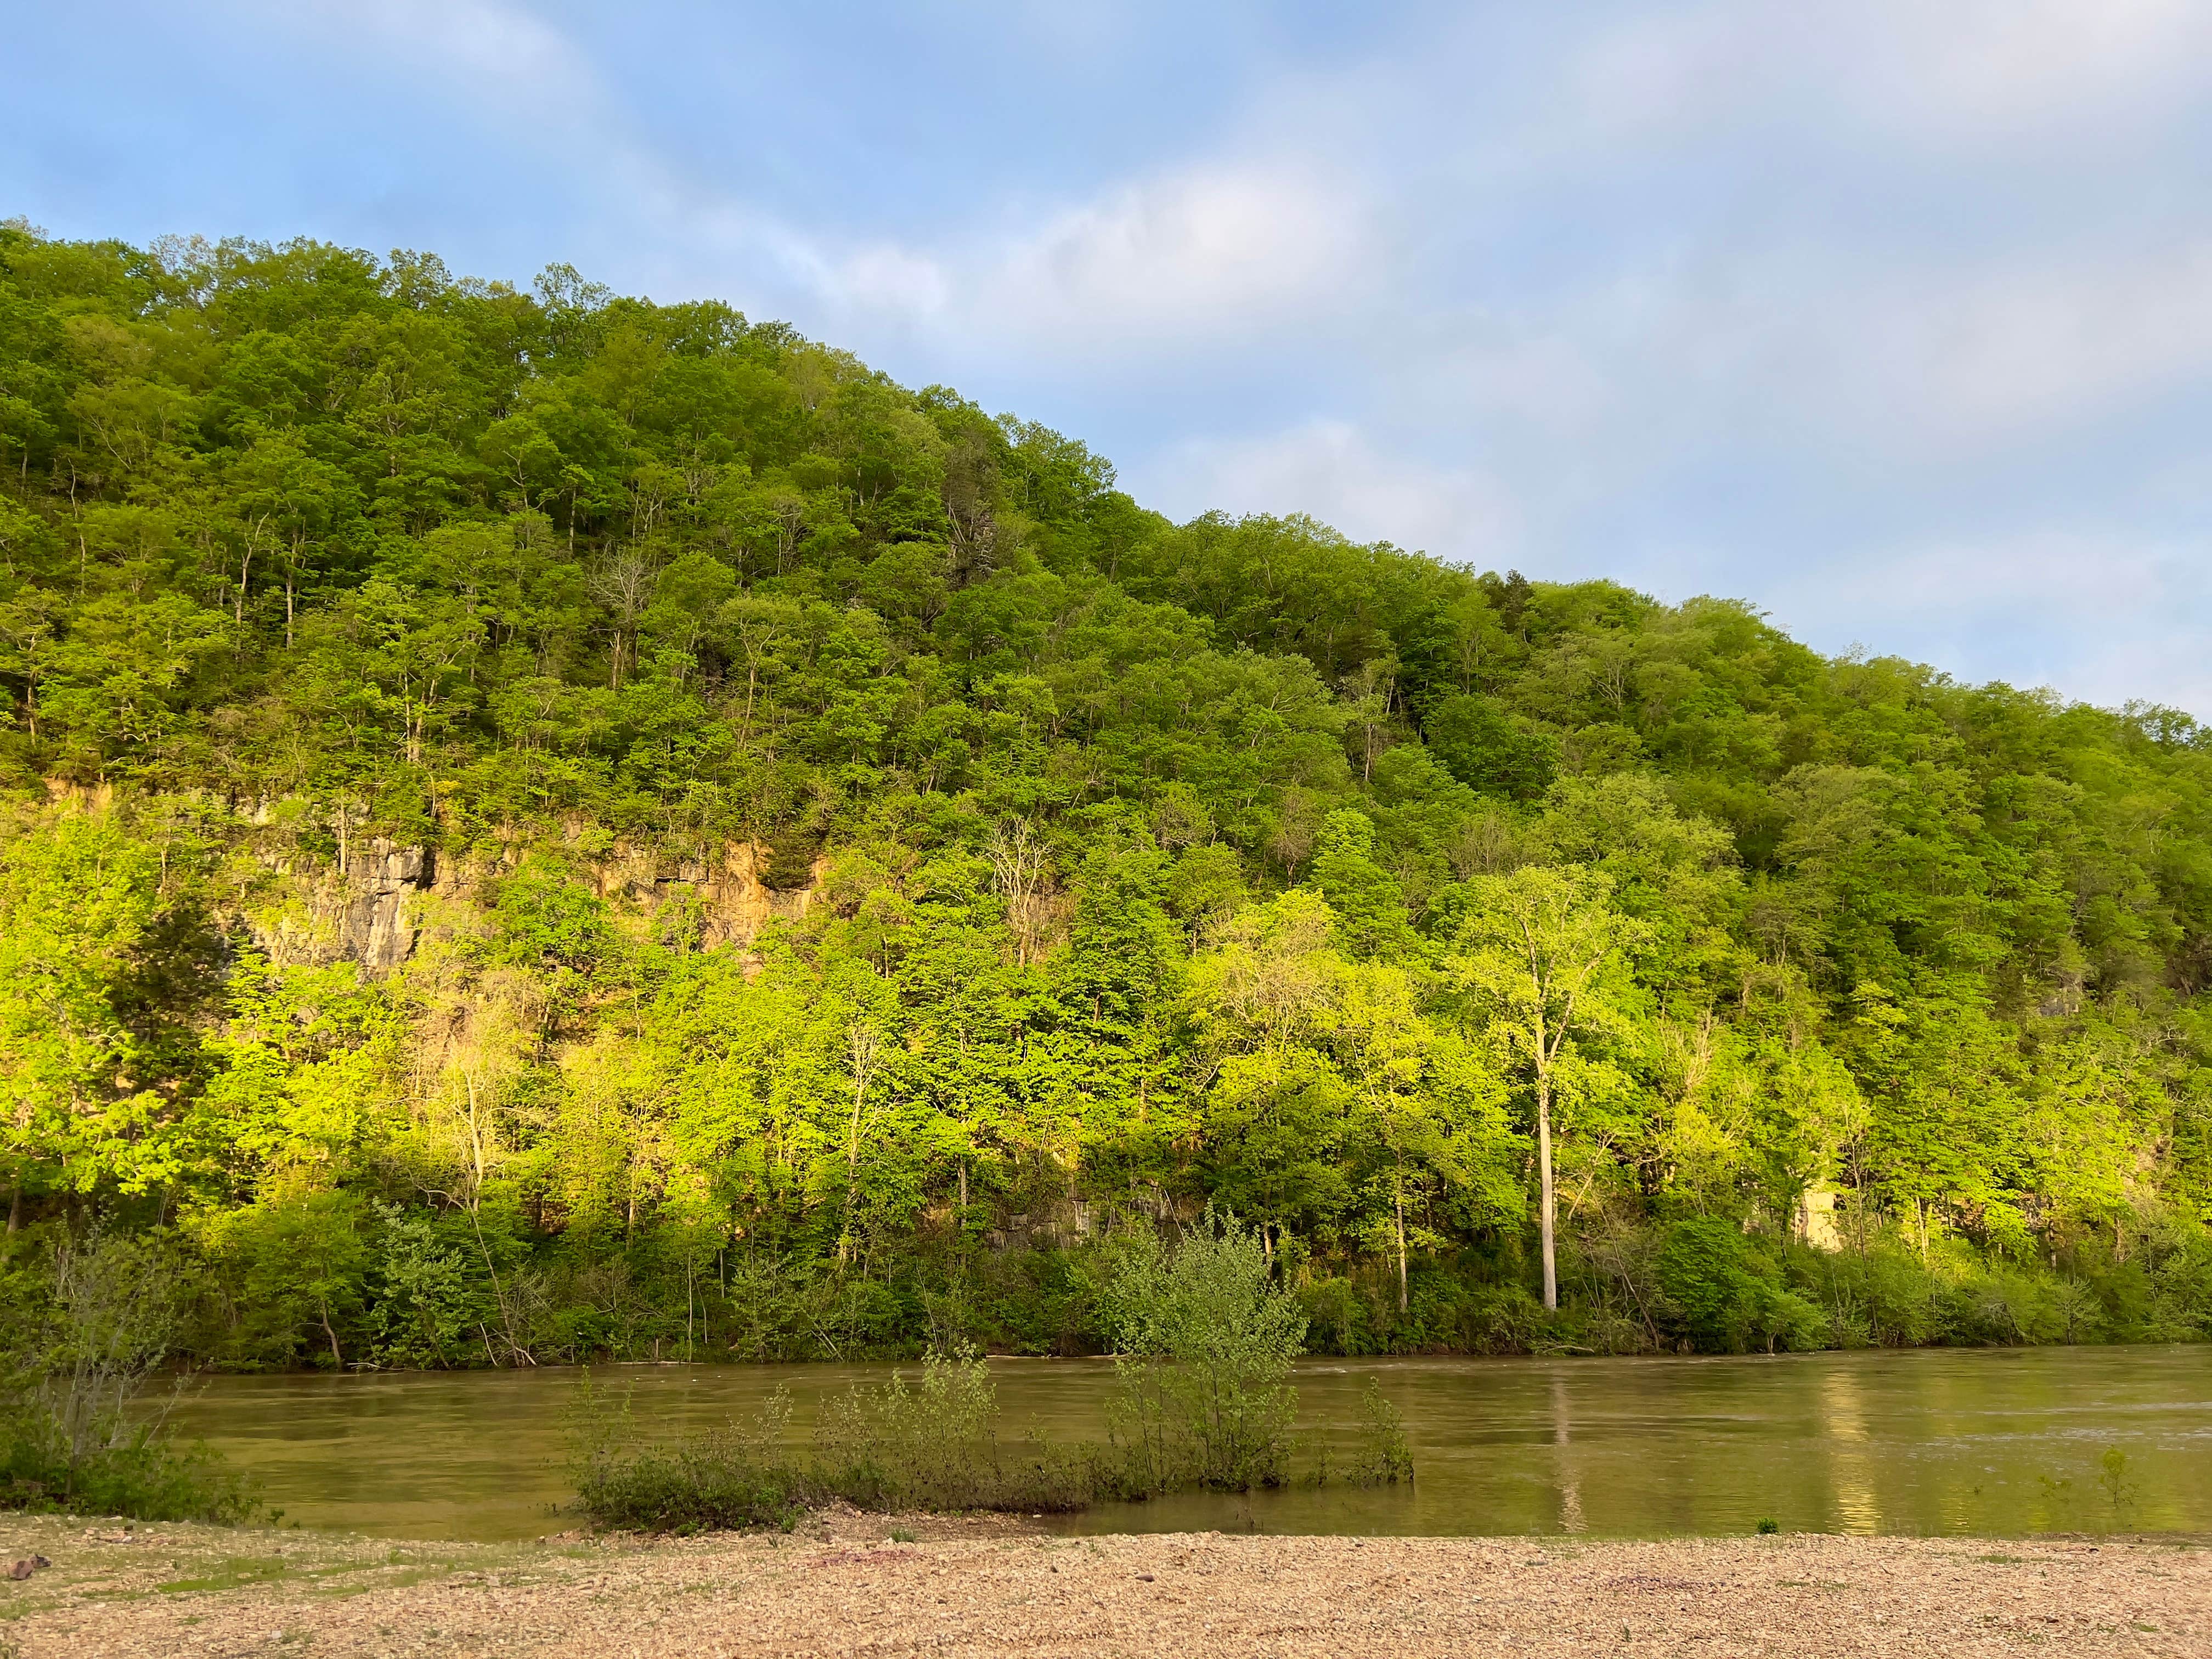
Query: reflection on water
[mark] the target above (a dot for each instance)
(1569, 1483)
(1851, 1453)
(1996, 1441)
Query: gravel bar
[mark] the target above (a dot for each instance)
(841, 1586)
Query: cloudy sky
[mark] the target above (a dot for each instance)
(1893, 318)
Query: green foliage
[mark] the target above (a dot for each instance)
(1386, 1453)
(1204, 1339)
(934, 1445)
(1223, 1421)
(87, 1324)
(741, 1477)
(429, 1308)
(1726, 1295)
(541, 825)
(1486, 747)
(929, 1445)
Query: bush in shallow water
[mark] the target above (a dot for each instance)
(930, 1444)
(1386, 1453)
(741, 1476)
(1204, 1343)
(934, 1445)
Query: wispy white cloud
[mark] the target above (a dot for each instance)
(2042, 573)
(1204, 249)
(1202, 258)
(2055, 339)
(1925, 359)
(1996, 68)
(1960, 71)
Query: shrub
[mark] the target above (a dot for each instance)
(737, 1477)
(1204, 1343)
(931, 1445)
(87, 1332)
(1386, 1455)
(935, 1446)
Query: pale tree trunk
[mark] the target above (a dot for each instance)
(1547, 1216)
(1551, 1198)
(1400, 1195)
(476, 1147)
(862, 1042)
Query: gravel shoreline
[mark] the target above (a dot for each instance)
(839, 1587)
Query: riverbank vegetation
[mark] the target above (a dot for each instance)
(542, 825)
(83, 1334)
(1204, 1337)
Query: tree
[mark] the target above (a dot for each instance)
(1540, 957)
(1424, 1121)
(80, 904)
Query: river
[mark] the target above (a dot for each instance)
(1931, 1441)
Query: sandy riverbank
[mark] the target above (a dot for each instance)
(841, 1587)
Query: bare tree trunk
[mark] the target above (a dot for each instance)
(1551, 1196)
(1400, 1196)
(476, 1149)
(862, 1039)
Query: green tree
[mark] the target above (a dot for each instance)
(1542, 958)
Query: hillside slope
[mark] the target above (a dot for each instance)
(547, 824)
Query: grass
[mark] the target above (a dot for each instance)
(231, 1575)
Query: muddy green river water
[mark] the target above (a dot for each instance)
(1998, 1442)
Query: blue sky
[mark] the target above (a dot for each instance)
(1894, 318)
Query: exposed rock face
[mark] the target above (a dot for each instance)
(734, 904)
(365, 914)
(376, 929)
(1816, 1222)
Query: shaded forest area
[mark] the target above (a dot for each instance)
(543, 825)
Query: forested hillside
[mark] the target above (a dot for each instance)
(546, 825)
